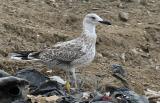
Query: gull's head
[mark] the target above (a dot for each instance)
(94, 19)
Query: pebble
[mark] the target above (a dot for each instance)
(124, 16)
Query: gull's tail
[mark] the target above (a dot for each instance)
(24, 55)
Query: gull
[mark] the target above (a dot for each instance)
(72, 54)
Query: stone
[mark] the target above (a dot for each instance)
(124, 16)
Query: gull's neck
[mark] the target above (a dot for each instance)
(89, 30)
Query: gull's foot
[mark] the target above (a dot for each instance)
(68, 87)
(71, 87)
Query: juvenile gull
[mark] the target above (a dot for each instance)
(71, 54)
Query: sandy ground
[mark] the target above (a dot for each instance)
(134, 44)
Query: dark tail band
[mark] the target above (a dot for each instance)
(24, 55)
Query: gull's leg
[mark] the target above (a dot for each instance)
(68, 76)
(74, 77)
(67, 85)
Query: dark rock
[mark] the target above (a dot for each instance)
(118, 69)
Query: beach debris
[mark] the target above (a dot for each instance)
(12, 89)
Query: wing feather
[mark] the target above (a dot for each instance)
(66, 52)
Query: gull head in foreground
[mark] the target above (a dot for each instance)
(69, 55)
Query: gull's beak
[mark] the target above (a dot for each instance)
(107, 22)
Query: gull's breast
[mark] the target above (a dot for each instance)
(85, 59)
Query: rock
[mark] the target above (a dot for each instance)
(52, 3)
(124, 16)
(121, 5)
(99, 58)
(116, 68)
(123, 57)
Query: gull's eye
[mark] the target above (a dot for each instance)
(93, 18)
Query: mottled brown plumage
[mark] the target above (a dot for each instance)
(70, 54)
